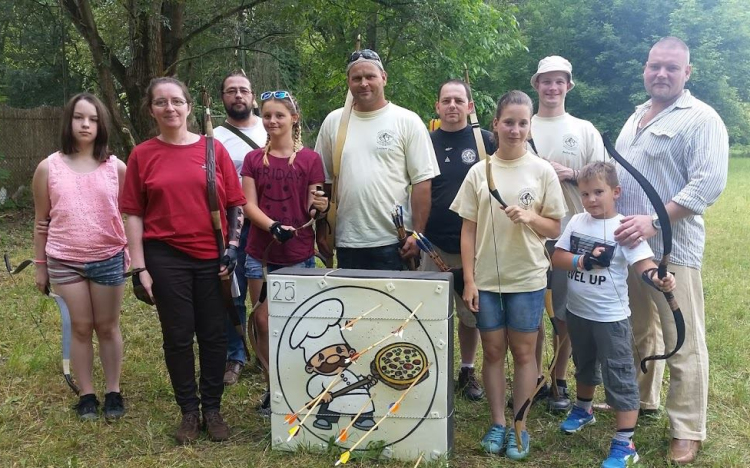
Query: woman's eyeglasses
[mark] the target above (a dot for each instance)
(176, 102)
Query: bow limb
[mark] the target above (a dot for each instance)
(66, 340)
(64, 316)
(666, 232)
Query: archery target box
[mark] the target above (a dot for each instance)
(372, 338)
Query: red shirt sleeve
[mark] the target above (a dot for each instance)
(133, 197)
(232, 187)
(317, 175)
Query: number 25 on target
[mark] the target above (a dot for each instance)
(283, 291)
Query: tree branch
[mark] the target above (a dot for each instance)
(171, 68)
(179, 43)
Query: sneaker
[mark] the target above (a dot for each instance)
(87, 407)
(514, 452)
(114, 407)
(468, 384)
(494, 441)
(577, 419)
(559, 404)
(189, 429)
(217, 429)
(232, 372)
(264, 409)
(621, 455)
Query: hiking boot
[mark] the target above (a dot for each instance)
(190, 428)
(514, 452)
(114, 406)
(559, 404)
(217, 429)
(577, 419)
(494, 441)
(87, 407)
(468, 384)
(543, 393)
(232, 372)
(621, 455)
(264, 409)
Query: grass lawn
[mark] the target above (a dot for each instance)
(38, 428)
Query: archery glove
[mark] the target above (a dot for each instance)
(229, 259)
(280, 234)
(590, 261)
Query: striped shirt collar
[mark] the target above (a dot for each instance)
(685, 101)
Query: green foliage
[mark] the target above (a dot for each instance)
(608, 42)
(303, 46)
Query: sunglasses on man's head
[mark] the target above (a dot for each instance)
(365, 54)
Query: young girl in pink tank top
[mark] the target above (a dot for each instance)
(79, 246)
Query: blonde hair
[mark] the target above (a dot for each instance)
(293, 108)
(599, 170)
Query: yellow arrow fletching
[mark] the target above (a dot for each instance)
(293, 432)
(344, 458)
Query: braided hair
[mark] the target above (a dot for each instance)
(293, 107)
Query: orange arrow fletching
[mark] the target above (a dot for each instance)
(394, 408)
(342, 436)
(290, 418)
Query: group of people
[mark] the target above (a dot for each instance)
(543, 208)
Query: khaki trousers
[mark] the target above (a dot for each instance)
(653, 331)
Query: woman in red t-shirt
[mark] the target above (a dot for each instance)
(171, 240)
(283, 185)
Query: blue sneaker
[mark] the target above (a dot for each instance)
(514, 452)
(621, 455)
(494, 441)
(577, 419)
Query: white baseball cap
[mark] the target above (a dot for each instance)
(551, 64)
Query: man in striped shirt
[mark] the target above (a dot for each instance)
(680, 145)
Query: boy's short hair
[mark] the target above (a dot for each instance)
(599, 170)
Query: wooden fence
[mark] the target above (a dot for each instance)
(26, 137)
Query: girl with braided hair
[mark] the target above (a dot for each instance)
(283, 184)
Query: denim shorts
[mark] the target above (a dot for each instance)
(254, 267)
(520, 312)
(109, 272)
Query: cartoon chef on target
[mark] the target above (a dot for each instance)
(325, 351)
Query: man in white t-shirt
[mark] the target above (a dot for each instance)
(568, 143)
(387, 158)
(241, 133)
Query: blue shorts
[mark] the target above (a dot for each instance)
(109, 272)
(254, 267)
(520, 312)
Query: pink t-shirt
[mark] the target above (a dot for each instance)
(283, 195)
(85, 222)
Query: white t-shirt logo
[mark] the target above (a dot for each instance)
(570, 142)
(385, 138)
(468, 156)
(526, 198)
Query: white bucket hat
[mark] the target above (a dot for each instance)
(551, 64)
